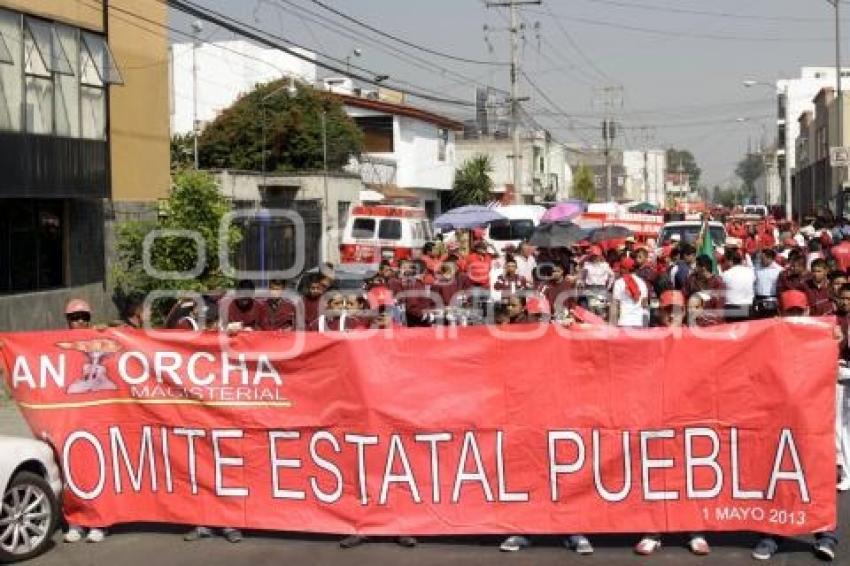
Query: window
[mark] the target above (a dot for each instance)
(32, 255)
(101, 59)
(378, 133)
(390, 229)
(342, 208)
(508, 230)
(11, 75)
(363, 228)
(39, 81)
(67, 98)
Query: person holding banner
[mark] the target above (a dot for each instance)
(705, 290)
(78, 316)
(795, 303)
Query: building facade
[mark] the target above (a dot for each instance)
(83, 144)
(224, 70)
(403, 146)
(816, 182)
(545, 171)
(644, 175)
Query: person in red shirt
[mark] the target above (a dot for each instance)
(793, 278)
(510, 282)
(478, 265)
(244, 311)
(280, 313)
(818, 291)
(450, 285)
(705, 291)
(431, 257)
(841, 253)
(311, 302)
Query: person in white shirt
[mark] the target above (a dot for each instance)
(526, 261)
(596, 272)
(767, 275)
(740, 288)
(631, 297)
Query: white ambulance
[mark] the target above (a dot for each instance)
(377, 232)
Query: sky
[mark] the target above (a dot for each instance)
(680, 63)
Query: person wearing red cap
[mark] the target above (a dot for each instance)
(673, 308)
(478, 265)
(78, 314)
(794, 303)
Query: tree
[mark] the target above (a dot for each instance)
(196, 205)
(182, 151)
(583, 186)
(685, 158)
(473, 184)
(293, 131)
(748, 170)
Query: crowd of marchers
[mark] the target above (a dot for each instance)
(626, 284)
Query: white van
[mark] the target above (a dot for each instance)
(520, 222)
(375, 233)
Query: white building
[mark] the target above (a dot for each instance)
(546, 176)
(225, 70)
(404, 147)
(644, 172)
(800, 94)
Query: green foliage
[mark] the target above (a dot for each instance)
(473, 184)
(749, 169)
(583, 186)
(182, 151)
(195, 204)
(675, 157)
(293, 131)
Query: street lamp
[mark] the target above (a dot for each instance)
(197, 28)
(839, 105)
(356, 52)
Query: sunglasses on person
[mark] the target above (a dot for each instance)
(78, 317)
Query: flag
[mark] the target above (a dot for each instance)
(706, 245)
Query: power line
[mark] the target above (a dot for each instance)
(393, 51)
(577, 47)
(251, 32)
(404, 41)
(713, 14)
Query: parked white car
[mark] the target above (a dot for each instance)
(30, 484)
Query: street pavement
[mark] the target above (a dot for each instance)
(163, 545)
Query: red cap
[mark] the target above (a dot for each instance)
(794, 300)
(672, 299)
(77, 305)
(380, 297)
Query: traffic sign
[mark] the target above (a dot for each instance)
(839, 156)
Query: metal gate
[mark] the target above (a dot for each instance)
(269, 243)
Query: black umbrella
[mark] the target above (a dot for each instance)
(609, 233)
(557, 235)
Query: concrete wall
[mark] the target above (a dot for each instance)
(45, 309)
(245, 186)
(226, 70)
(417, 152)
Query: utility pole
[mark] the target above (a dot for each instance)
(610, 97)
(513, 5)
(197, 27)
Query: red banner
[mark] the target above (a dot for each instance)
(533, 430)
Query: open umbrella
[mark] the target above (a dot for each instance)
(557, 235)
(566, 210)
(609, 233)
(466, 217)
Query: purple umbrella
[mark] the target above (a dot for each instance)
(566, 210)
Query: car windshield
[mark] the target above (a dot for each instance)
(690, 233)
(507, 230)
